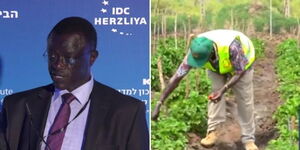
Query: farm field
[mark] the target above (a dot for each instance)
(182, 123)
(274, 28)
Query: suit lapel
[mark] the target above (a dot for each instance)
(39, 107)
(97, 112)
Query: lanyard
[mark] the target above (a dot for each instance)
(65, 127)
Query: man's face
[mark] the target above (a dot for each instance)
(70, 58)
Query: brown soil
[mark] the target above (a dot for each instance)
(266, 102)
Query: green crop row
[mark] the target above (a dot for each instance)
(288, 70)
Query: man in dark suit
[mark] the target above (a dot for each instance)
(75, 112)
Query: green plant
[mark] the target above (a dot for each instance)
(259, 46)
(288, 69)
(170, 59)
(168, 133)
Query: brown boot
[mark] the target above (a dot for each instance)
(250, 146)
(209, 140)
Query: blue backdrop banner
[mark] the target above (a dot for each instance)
(123, 43)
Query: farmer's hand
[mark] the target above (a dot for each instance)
(215, 96)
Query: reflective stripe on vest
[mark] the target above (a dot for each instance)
(223, 43)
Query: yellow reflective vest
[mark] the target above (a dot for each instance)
(223, 39)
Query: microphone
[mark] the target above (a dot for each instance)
(35, 129)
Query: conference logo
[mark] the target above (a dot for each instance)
(110, 14)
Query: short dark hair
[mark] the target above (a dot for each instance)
(73, 25)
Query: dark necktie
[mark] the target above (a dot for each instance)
(58, 128)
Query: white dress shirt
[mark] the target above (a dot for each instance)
(75, 131)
